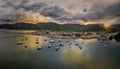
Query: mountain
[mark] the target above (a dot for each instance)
(53, 26)
(115, 27)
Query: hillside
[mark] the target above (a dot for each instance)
(53, 26)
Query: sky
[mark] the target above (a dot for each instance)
(60, 11)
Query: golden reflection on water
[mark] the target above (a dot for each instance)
(31, 41)
(73, 56)
(76, 57)
(86, 40)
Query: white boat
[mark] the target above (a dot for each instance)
(57, 48)
(39, 48)
(60, 40)
(49, 46)
(52, 41)
(69, 43)
(20, 43)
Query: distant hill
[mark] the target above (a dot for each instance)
(53, 26)
(115, 27)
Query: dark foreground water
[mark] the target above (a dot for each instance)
(93, 55)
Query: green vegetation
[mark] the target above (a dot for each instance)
(53, 27)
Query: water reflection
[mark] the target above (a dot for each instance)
(31, 41)
(73, 56)
(93, 54)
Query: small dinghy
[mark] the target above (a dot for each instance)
(45, 39)
(52, 41)
(39, 48)
(37, 42)
(61, 44)
(76, 44)
(26, 46)
(20, 43)
(57, 48)
(60, 40)
(69, 43)
(49, 46)
(80, 47)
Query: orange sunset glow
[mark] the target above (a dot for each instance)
(31, 17)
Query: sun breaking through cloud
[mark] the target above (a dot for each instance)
(60, 11)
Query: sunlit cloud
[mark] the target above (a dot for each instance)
(31, 17)
(64, 11)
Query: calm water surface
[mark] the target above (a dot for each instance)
(93, 55)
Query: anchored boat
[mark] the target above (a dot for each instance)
(20, 43)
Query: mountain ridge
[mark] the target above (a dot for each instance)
(54, 26)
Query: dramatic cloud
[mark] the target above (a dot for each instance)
(62, 11)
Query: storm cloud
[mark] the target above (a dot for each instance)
(68, 11)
